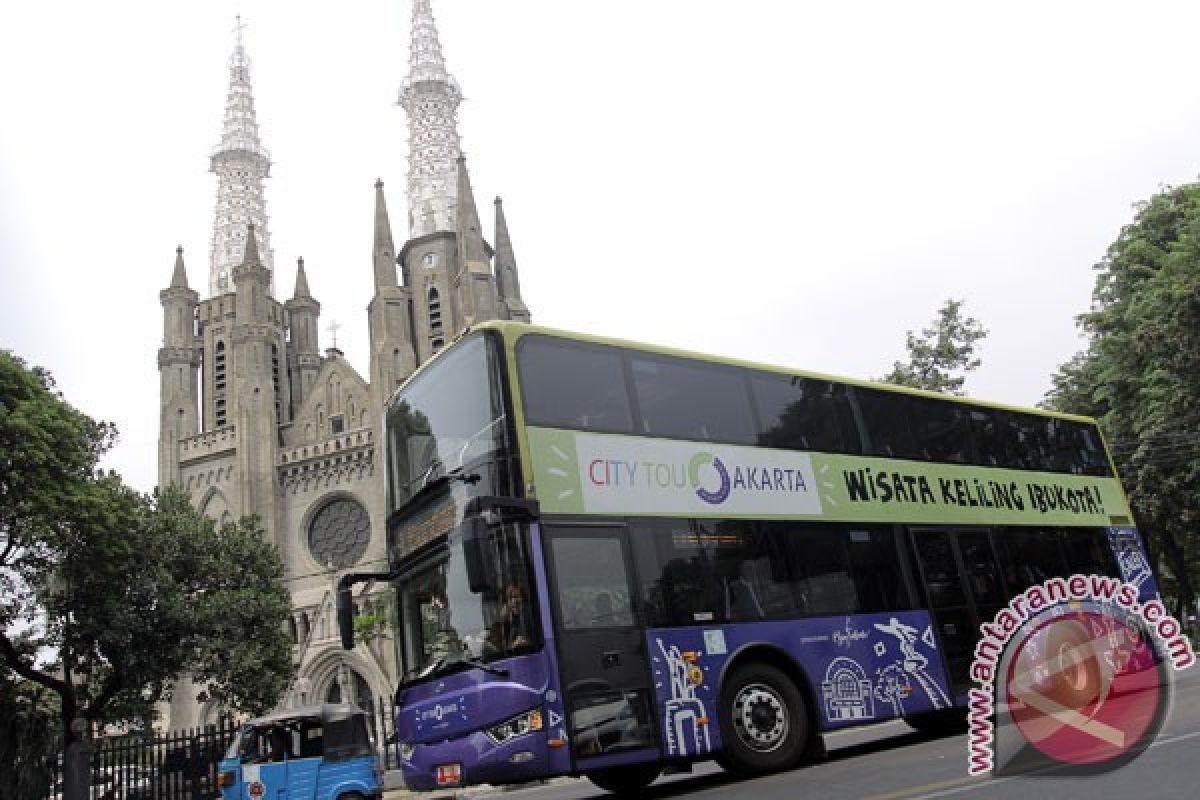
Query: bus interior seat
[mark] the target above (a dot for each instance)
(741, 595)
(604, 615)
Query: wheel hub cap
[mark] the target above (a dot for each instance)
(760, 718)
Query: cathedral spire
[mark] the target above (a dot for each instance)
(475, 286)
(430, 96)
(241, 163)
(508, 286)
(301, 281)
(179, 276)
(250, 256)
(471, 247)
(384, 251)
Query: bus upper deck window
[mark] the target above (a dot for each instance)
(573, 385)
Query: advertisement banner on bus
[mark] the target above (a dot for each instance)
(592, 473)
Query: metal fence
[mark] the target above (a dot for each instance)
(383, 730)
(182, 765)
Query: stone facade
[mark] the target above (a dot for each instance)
(255, 419)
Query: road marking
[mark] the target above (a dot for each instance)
(955, 785)
(1172, 739)
(1068, 717)
(927, 787)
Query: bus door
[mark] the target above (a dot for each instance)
(963, 588)
(601, 649)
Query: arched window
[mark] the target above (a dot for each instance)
(275, 382)
(219, 385)
(362, 695)
(435, 312)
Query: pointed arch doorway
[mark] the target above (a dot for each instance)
(348, 686)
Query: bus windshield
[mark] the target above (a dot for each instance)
(447, 621)
(448, 423)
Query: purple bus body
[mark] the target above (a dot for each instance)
(487, 700)
(446, 719)
(1130, 552)
(860, 669)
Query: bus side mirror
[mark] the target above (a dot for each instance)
(345, 617)
(474, 540)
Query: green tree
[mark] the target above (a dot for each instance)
(107, 595)
(1140, 376)
(29, 737)
(940, 358)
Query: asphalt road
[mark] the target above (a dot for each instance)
(890, 762)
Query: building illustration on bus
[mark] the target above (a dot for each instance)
(612, 558)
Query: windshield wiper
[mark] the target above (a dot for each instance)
(456, 474)
(445, 666)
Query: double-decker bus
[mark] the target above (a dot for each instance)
(612, 559)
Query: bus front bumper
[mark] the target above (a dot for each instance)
(475, 759)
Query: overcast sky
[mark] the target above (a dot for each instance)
(788, 182)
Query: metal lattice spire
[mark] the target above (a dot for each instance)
(241, 163)
(430, 96)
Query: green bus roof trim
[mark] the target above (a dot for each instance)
(513, 331)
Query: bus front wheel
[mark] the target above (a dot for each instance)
(625, 780)
(764, 720)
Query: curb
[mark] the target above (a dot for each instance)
(471, 791)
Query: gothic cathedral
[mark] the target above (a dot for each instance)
(256, 419)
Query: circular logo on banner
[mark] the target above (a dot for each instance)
(715, 496)
(1085, 689)
(256, 790)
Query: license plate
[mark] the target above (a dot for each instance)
(449, 774)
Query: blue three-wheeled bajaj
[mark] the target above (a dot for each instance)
(310, 753)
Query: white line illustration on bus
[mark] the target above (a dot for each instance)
(847, 691)
(684, 709)
(894, 685)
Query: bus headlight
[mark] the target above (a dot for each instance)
(519, 725)
(406, 751)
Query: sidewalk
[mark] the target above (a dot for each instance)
(395, 790)
(474, 792)
(444, 794)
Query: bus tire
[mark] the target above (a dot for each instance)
(1078, 679)
(764, 720)
(625, 780)
(946, 722)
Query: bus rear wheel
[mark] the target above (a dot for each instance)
(625, 780)
(764, 720)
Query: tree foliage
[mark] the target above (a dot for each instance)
(29, 737)
(1140, 375)
(107, 596)
(940, 357)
